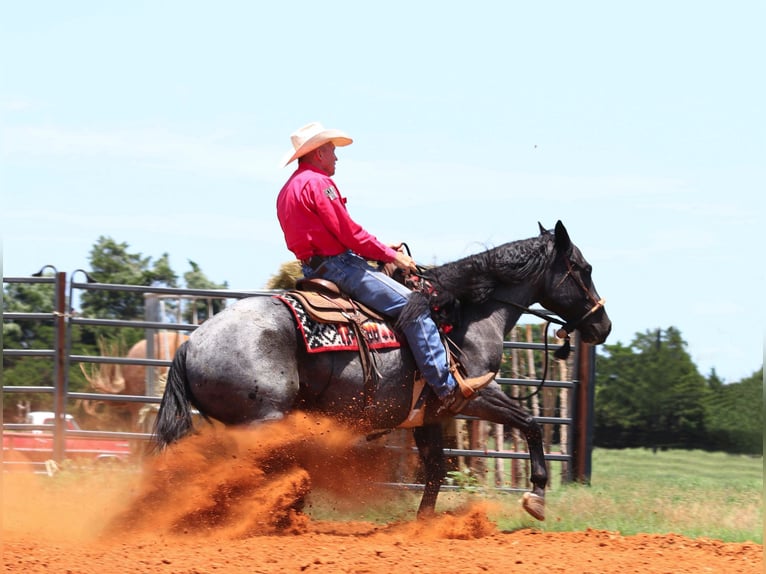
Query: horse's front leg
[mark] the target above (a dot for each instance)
(494, 405)
(430, 445)
(534, 501)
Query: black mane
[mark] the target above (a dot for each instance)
(473, 279)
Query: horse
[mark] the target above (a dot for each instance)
(248, 364)
(128, 379)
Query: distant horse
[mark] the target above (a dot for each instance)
(128, 379)
(249, 364)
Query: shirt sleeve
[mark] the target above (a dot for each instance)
(331, 208)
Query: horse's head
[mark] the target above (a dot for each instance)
(569, 290)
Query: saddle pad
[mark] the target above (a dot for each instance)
(320, 337)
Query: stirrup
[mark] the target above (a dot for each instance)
(452, 403)
(469, 386)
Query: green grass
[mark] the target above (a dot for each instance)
(692, 493)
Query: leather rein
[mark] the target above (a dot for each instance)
(567, 327)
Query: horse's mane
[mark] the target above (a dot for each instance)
(473, 279)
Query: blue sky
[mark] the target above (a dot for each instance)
(639, 125)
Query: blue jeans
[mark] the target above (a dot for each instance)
(380, 292)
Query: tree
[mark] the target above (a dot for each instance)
(288, 274)
(28, 298)
(734, 415)
(112, 263)
(28, 334)
(200, 310)
(33, 335)
(649, 394)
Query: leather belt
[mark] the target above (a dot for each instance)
(315, 261)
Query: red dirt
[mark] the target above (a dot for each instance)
(226, 503)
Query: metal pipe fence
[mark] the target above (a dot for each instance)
(572, 419)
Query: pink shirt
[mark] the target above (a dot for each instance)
(315, 220)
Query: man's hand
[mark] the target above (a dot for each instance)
(405, 262)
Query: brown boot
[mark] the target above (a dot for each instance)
(453, 402)
(464, 391)
(469, 386)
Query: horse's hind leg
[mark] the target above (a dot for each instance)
(431, 448)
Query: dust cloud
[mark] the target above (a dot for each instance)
(230, 501)
(233, 483)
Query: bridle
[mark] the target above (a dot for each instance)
(567, 327)
(572, 326)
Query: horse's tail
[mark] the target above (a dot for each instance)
(174, 419)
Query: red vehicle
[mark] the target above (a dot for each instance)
(38, 445)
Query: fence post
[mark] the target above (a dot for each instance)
(585, 394)
(151, 313)
(60, 367)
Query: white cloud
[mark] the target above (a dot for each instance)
(156, 147)
(414, 183)
(15, 105)
(240, 226)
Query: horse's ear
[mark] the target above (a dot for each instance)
(543, 231)
(563, 243)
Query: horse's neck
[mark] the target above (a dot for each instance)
(514, 300)
(485, 326)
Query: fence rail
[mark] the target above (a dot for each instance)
(570, 422)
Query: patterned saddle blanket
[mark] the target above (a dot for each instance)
(338, 335)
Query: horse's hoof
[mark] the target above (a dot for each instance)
(534, 504)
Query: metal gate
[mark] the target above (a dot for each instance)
(572, 418)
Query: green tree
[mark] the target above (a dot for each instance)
(649, 394)
(32, 335)
(28, 298)
(734, 415)
(28, 335)
(201, 309)
(286, 277)
(111, 262)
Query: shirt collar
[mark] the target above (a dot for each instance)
(308, 167)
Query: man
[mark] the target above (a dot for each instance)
(320, 232)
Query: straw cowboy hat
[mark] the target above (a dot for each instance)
(310, 137)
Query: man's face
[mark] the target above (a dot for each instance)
(326, 158)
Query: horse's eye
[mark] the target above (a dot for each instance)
(584, 269)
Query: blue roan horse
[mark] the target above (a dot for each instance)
(249, 364)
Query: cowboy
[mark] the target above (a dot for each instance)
(320, 232)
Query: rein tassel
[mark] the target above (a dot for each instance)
(562, 353)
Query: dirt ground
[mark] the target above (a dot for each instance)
(230, 503)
